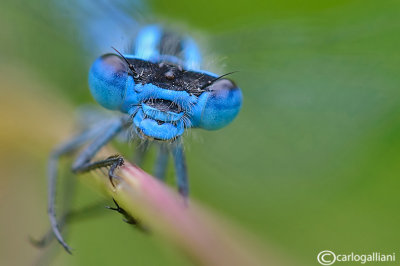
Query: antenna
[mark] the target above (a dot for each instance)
(135, 74)
(214, 80)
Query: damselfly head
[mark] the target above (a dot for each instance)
(162, 98)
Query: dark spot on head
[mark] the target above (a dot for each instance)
(169, 75)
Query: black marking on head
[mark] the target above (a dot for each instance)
(159, 74)
(164, 105)
(170, 74)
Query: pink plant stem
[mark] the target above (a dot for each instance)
(195, 231)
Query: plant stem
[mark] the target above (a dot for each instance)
(196, 231)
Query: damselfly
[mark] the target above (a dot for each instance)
(160, 90)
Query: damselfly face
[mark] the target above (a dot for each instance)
(163, 99)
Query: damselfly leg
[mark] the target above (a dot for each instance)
(67, 218)
(180, 168)
(161, 164)
(101, 136)
(113, 162)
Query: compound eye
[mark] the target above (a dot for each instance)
(107, 80)
(223, 103)
(222, 86)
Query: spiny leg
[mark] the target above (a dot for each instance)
(52, 169)
(180, 168)
(52, 173)
(113, 162)
(70, 216)
(90, 151)
(111, 130)
(127, 217)
(160, 168)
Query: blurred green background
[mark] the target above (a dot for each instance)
(310, 164)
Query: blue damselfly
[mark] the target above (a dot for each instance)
(158, 88)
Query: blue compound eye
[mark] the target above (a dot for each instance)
(218, 106)
(107, 80)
